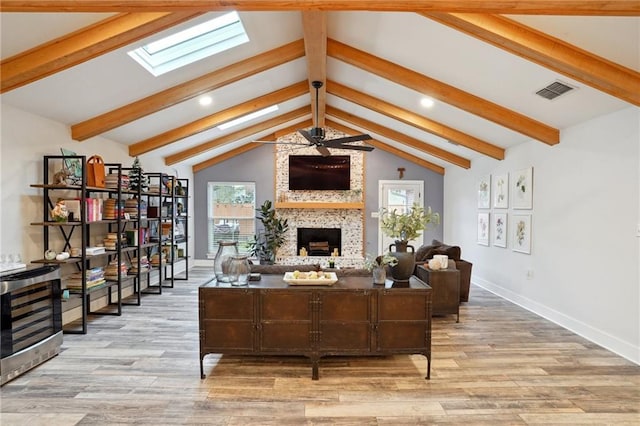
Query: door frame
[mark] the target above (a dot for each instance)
(382, 186)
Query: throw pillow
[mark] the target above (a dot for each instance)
(423, 253)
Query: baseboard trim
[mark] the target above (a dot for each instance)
(599, 337)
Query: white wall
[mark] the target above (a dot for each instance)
(24, 140)
(585, 248)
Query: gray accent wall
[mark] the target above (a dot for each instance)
(381, 165)
(258, 166)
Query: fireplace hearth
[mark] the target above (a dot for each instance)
(319, 241)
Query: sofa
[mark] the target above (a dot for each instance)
(426, 252)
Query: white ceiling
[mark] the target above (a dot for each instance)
(408, 39)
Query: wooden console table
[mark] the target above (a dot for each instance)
(351, 317)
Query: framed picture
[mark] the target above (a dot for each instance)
(483, 229)
(499, 231)
(501, 191)
(522, 186)
(484, 192)
(73, 166)
(521, 240)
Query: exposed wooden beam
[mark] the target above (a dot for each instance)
(415, 120)
(293, 128)
(390, 149)
(190, 89)
(218, 118)
(548, 51)
(444, 92)
(232, 137)
(399, 137)
(531, 7)
(226, 156)
(250, 145)
(314, 25)
(80, 46)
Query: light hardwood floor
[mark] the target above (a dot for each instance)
(501, 365)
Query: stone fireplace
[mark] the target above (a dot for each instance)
(311, 210)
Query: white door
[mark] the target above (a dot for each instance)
(399, 195)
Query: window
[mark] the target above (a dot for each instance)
(231, 216)
(190, 45)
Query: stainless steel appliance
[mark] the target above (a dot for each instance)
(30, 319)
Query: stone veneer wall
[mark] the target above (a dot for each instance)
(350, 221)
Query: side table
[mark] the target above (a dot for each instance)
(445, 284)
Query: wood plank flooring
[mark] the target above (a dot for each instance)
(501, 365)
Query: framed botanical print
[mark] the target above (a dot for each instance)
(499, 231)
(521, 234)
(484, 192)
(522, 188)
(501, 191)
(483, 229)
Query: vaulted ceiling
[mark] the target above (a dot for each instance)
(481, 62)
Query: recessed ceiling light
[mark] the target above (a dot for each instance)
(426, 102)
(205, 100)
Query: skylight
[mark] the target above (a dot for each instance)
(248, 117)
(190, 45)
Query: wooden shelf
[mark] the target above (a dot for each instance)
(318, 205)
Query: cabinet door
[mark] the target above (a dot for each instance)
(404, 321)
(345, 321)
(227, 317)
(286, 320)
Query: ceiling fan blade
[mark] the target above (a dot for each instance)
(347, 139)
(323, 150)
(308, 136)
(354, 147)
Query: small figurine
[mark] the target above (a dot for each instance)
(60, 178)
(60, 212)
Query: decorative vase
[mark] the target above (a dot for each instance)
(379, 275)
(226, 249)
(403, 270)
(239, 270)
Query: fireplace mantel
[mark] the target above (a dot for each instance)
(318, 205)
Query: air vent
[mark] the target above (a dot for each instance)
(554, 90)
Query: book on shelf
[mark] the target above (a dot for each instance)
(93, 209)
(93, 277)
(93, 251)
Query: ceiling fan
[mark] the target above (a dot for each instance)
(316, 135)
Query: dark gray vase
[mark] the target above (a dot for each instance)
(406, 260)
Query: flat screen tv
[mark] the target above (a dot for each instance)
(314, 172)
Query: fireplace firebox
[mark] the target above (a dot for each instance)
(320, 241)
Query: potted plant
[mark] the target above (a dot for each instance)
(266, 243)
(405, 227)
(378, 266)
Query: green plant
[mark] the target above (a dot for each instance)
(407, 226)
(370, 263)
(265, 244)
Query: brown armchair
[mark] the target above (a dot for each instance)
(426, 252)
